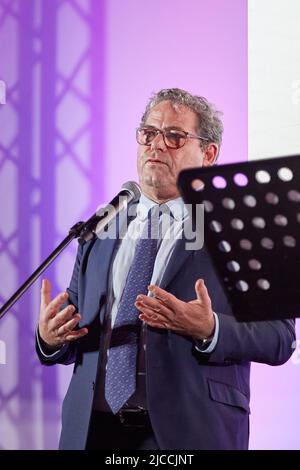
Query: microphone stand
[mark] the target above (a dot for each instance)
(81, 230)
(84, 231)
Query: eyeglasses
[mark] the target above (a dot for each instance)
(173, 138)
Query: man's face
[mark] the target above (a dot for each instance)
(158, 166)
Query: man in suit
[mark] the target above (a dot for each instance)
(176, 374)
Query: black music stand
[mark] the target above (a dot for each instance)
(252, 232)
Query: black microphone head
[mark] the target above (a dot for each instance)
(134, 189)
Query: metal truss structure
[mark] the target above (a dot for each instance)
(50, 150)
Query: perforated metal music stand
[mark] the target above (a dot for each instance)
(252, 232)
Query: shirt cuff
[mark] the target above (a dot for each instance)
(42, 348)
(208, 345)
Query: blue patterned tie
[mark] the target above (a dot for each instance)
(120, 381)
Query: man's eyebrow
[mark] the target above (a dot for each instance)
(176, 128)
(169, 128)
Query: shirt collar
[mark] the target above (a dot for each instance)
(176, 206)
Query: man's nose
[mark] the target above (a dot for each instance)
(158, 142)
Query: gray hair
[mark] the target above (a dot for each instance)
(210, 125)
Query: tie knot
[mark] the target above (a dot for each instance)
(164, 210)
(151, 229)
(158, 219)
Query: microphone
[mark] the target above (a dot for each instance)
(95, 225)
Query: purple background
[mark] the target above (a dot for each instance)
(78, 74)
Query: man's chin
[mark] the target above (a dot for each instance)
(158, 189)
(151, 181)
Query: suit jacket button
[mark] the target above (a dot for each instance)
(93, 385)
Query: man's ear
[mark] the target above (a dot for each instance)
(210, 154)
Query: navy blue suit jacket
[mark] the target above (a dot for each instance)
(195, 400)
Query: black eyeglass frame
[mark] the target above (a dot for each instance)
(163, 132)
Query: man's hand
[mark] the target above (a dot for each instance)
(164, 310)
(56, 326)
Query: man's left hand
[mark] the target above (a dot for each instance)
(164, 310)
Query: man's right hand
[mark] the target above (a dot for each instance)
(56, 327)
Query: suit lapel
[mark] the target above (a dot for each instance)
(112, 242)
(179, 256)
(102, 257)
